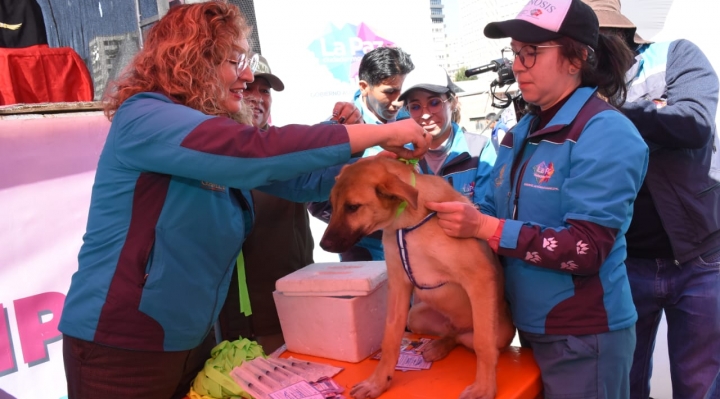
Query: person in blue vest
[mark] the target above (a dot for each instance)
(381, 74)
(171, 203)
(674, 239)
(561, 199)
(497, 129)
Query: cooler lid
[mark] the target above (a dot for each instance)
(334, 279)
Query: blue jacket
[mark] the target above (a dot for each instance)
(566, 193)
(169, 212)
(672, 100)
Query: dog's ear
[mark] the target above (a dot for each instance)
(341, 172)
(392, 186)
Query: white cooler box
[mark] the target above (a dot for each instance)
(334, 310)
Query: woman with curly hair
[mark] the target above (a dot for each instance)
(171, 203)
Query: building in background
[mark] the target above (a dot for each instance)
(437, 16)
(454, 55)
(476, 49)
(108, 55)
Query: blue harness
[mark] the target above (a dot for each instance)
(402, 246)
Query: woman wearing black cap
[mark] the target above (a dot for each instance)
(561, 200)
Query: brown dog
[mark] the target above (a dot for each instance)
(458, 282)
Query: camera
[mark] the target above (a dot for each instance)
(505, 77)
(502, 66)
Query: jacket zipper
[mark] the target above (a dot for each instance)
(148, 266)
(516, 200)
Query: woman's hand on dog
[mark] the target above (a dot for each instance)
(462, 220)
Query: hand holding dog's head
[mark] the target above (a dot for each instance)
(407, 131)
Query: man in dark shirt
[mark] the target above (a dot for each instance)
(674, 238)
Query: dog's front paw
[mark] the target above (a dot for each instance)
(475, 391)
(369, 389)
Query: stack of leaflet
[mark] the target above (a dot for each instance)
(287, 378)
(411, 357)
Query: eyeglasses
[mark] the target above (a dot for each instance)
(246, 61)
(527, 54)
(434, 106)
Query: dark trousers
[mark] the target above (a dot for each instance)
(96, 371)
(689, 294)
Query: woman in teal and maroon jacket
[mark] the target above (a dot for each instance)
(171, 205)
(561, 200)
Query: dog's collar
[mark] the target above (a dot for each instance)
(404, 204)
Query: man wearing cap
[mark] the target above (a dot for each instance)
(381, 73)
(674, 239)
(281, 240)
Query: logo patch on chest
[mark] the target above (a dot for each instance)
(543, 172)
(468, 189)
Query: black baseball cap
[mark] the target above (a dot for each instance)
(544, 20)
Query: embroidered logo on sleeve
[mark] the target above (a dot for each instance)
(569, 265)
(550, 243)
(532, 257)
(582, 248)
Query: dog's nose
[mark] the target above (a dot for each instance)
(327, 243)
(335, 242)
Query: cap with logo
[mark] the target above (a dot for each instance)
(432, 78)
(544, 20)
(263, 71)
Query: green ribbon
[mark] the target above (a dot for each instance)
(412, 162)
(242, 285)
(214, 379)
(404, 204)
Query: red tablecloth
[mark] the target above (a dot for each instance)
(40, 74)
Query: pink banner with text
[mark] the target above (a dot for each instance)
(47, 167)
